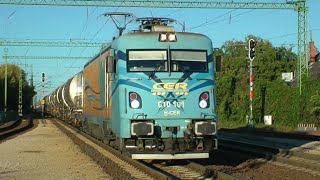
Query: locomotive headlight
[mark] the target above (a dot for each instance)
(135, 104)
(167, 37)
(135, 100)
(163, 37)
(203, 104)
(172, 37)
(204, 100)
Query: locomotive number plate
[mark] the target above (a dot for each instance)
(166, 104)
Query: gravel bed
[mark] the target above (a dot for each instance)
(249, 167)
(46, 153)
(108, 165)
(19, 128)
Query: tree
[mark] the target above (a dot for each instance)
(233, 81)
(315, 107)
(13, 88)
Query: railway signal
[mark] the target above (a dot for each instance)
(42, 103)
(252, 52)
(42, 77)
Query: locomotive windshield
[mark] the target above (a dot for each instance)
(147, 61)
(156, 60)
(192, 61)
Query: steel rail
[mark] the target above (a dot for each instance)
(154, 171)
(287, 156)
(211, 173)
(134, 163)
(262, 132)
(15, 128)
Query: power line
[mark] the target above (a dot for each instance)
(208, 21)
(55, 67)
(229, 18)
(291, 34)
(87, 20)
(91, 40)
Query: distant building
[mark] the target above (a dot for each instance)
(314, 60)
(314, 54)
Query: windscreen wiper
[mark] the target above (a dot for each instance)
(156, 68)
(182, 69)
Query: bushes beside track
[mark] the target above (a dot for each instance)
(282, 99)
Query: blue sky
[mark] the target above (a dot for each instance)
(52, 23)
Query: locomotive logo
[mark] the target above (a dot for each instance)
(176, 88)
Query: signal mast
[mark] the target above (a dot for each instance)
(251, 55)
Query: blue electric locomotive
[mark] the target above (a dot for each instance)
(151, 93)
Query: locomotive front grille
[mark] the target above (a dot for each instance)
(142, 129)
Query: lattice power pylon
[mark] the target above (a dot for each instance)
(49, 57)
(20, 92)
(51, 43)
(296, 5)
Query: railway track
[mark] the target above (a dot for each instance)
(294, 158)
(123, 167)
(185, 169)
(106, 157)
(270, 133)
(19, 126)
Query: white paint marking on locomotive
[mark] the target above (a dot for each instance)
(171, 113)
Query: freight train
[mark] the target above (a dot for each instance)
(150, 94)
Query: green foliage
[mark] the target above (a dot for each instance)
(315, 105)
(282, 100)
(13, 73)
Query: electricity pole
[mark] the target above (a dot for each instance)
(31, 82)
(20, 93)
(5, 79)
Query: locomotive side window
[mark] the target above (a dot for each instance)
(189, 61)
(110, 64)
(147, 60)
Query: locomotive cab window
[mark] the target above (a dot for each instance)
(111, 62)
(147, 60)
(189, 61)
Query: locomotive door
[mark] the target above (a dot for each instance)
(110, 74)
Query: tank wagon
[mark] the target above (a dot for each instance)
(65, 102)
(150, 94)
